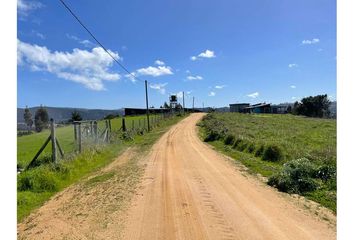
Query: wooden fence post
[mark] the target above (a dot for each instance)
(108, 133)
(95, 131)
(79, 138)
(124, 128)
(75, 131)
(91, 129)
(52, 138)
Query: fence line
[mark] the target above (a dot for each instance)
(88, 134)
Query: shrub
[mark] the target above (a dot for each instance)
(272, 153)
(251, 147)
(259, 151)
(326, 172)
(242, 145)
(37, 180)
(237, 142)
(229, 140)
(212, 136)
(295, 177)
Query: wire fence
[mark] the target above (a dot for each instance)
(79, 136)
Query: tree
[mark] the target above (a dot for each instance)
(75, 116)
(165, 105)
(317, 106)
(41, 119)
(111, 116)
(28, 118)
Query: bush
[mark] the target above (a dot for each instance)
(229, 140)
(326, 172)
(259, 151)
(295, 177)
(24, 133)
(242, 145)
(272, 153)
(237, 142)
(251, 147)
(212, 136)
(37, 180)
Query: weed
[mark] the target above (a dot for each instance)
(272, 153)
(295, 177)
(229, 140)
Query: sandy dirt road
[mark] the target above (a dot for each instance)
(188, 191)
(191, 192)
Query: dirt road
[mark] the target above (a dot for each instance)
(188, 191)
(191, 192)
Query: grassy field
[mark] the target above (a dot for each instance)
(270, 144)
(28, 146)
(37, 185)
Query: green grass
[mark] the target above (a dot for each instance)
(28, 146)
(295, 137)
(35, 186)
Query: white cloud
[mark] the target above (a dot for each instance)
(193, 58)
(206, 54)
(313, 41)
(293, 65)
(38, 34)
(292, 86)
(160, 87)
(159, 62)
(155, 71)
(25, 7)
(131, 77)
(197, 77)
(220, 86)
(85, 42)
(89, 68)
(212, 94)
(293, 98)
(187, 71)
(253, 95)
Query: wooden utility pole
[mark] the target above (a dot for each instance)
(147, 106)
(193, 103)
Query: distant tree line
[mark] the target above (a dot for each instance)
(317, 106)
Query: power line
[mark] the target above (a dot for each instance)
(98, 42)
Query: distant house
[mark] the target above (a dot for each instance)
(259, 108)
(238, 107)
(280, 108)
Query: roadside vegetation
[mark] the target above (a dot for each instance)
(297, 154)
(29, 144)
(38, 184)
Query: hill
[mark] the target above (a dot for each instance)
(64, 114)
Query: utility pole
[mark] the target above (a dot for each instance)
(193, 103)
(203, 106)
(183, 103)
(147, 106)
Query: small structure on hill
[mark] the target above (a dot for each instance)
(259, 108)
(238, 107)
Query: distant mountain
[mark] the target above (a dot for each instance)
(64, 114)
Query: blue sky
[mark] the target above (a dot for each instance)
(220, 52)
